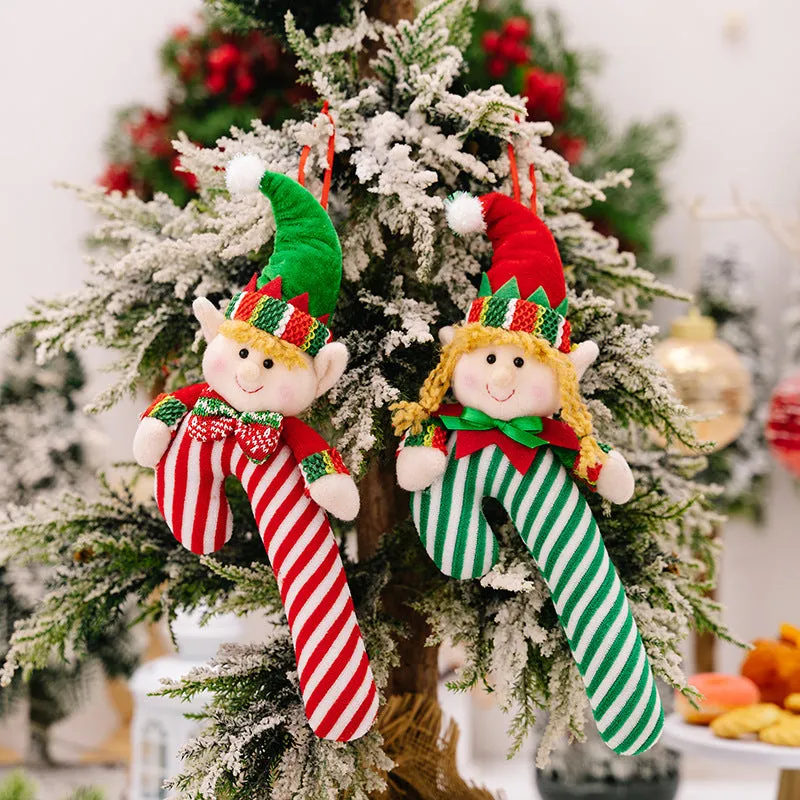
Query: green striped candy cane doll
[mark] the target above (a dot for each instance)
(521, 434)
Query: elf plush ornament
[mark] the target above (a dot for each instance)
(520, 433)
(267, 359)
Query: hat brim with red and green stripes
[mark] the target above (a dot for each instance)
(296, 291)
(267, 311)
(507, 310)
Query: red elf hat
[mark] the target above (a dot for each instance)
(524, 289)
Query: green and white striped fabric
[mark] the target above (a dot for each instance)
(558, 528)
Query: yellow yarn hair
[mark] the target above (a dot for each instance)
(247, 334)
(410, 416)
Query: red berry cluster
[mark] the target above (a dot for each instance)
(571, 147)
(150, 131)
(117, 178)
(546, 92)
(223, 63)
(507, 48)
(188, 179)
(229, 68)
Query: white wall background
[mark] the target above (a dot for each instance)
(64, 68)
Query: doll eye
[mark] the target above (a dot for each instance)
(519, 362)
(268, 363)
(244, 352)
(491, 358)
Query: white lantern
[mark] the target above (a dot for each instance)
(160, 727)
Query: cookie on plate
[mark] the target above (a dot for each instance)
(750, 719)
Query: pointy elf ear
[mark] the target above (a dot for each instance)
(583, 356)
(446, 335)
(209, 317)
(329, 366)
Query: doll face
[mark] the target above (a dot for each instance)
(505, 382)
(251, 380)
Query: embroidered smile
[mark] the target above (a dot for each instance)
(500, 400)
(249, 391)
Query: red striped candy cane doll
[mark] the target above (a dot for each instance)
(267, 359)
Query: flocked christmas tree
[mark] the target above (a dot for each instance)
(405, 140)
(44, 439)
(219, 77)
(47, 448)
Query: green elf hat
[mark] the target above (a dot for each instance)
(297, 289)
(524, 289)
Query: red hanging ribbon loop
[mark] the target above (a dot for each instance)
(301, 170)
(326, 179)
(512, 161)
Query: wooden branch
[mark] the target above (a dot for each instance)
(786, 231)
(383, 505)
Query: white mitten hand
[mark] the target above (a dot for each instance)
(615, 482)
(151, 442)
(337, 494)
(419, 467)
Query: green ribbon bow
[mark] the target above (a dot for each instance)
(520, 429)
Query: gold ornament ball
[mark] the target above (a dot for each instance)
(708, 377)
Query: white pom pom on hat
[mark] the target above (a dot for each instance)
(243, 174)
(465, 213)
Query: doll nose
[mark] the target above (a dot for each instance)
(502, 377)
(248, 372)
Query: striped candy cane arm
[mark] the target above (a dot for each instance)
(336, 681)
(315, 457)
(592, 473)
(190, 490)
(339, 692)
(557, 526)
(431, 434)
(449, 518)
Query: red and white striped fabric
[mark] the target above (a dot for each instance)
(339, 692)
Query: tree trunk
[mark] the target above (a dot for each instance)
(425, 759)
(705, 644)
(789, 788)
(383, 505)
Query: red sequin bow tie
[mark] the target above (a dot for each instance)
(257, 432)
